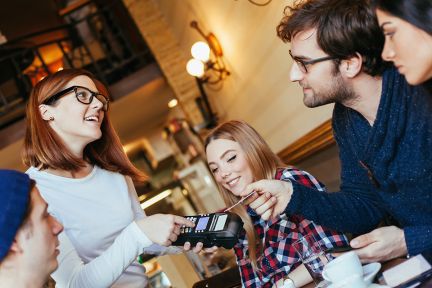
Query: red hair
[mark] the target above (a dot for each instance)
(43, 148)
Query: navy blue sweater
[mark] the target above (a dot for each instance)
(397, 151)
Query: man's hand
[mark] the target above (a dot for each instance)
(163, 229)
(380, 245)
(272, 197)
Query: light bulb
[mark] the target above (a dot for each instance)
(195, 67)
(201, 51)
(173, 103)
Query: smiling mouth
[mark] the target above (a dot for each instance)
(92, 118)
(233, 181)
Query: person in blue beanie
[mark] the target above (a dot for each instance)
(28, 234)
(382, 125)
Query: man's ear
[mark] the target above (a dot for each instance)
(352, 66)
(15, 247)
(45, 112)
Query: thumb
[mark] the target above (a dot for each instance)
(362, 241)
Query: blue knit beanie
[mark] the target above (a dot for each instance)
(14, 200)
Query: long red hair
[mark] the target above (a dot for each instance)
(43, 148)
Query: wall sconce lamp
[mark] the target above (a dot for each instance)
(207, 62)
(208, 67)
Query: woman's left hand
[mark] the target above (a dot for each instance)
(199, 247)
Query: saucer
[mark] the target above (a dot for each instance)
(373, 285)
(369, 272)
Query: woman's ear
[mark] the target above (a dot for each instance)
(45, 112)
(352, 66)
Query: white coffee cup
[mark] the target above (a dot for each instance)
(342, 268)
(353, 281)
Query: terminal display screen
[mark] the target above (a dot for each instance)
(202, 223)
(221, 222)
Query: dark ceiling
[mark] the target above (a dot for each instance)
(22, 17)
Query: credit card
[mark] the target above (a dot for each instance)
(241, 201)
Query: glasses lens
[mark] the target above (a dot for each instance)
(83, 95)
(302, 66)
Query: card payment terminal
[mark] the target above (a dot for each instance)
(216, 229)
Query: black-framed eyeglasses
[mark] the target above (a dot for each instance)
(82, 94)
(302, 64)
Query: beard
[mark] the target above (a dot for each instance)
(337, 91)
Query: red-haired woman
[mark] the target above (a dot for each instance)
(81, 170)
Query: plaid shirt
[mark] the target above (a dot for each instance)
(279, 257)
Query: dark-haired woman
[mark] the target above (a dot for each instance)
(407, 26)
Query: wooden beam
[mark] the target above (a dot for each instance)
(313, 142)
(73, 7)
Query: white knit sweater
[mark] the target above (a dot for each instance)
(100, 241)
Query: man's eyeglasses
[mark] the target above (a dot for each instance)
(302, 64)
(82, 94)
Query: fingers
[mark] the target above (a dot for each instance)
(251, 198)
(187, 246)
(249, 188)
(257, 186)
(263, 206)
(362, 240)
(176, 230)
(267, 215)
(183, 221)
(172, 237)
(198, 247)
(259, 201)
(211, 249)
(266, 206)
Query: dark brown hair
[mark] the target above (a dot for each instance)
(344, 28)
(43, 148)
(416, 12)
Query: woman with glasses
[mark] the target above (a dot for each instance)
(237, 156)
(81, 170)
(407, 26)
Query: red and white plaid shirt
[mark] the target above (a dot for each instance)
(279, 257)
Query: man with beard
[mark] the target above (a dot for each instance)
(383, 128)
